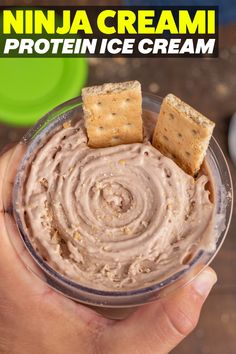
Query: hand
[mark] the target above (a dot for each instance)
(36, 319)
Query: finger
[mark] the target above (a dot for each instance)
(159, 327)
(9, 232)
(15, 261)
(9, 163)
(14, 248)
(4, 160)
(7, 175)
(17, 279)
(8, 168)
(11, 244)
(6, 148)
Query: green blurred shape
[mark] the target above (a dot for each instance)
(30, 87)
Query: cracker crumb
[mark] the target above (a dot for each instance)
(144, 223)
(122, 162)
(127, 230)
(77, 236)
(55, 236)
(66, 124)
(46, 204)
(145, 270)
(44, 183)
(94, 228)
(106, 248)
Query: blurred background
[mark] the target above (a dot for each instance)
(209, 85)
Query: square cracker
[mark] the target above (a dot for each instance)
(182, 134)
(113, 114)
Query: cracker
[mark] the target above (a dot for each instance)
(113, 114)
(182, 133)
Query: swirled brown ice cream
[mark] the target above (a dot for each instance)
(119, 218)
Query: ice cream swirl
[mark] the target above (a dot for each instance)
(113, 218)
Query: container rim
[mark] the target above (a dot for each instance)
(42, 126)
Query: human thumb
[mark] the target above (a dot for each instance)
(158, 327)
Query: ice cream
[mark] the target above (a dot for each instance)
(114, 218)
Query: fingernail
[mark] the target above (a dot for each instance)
(204, 282)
